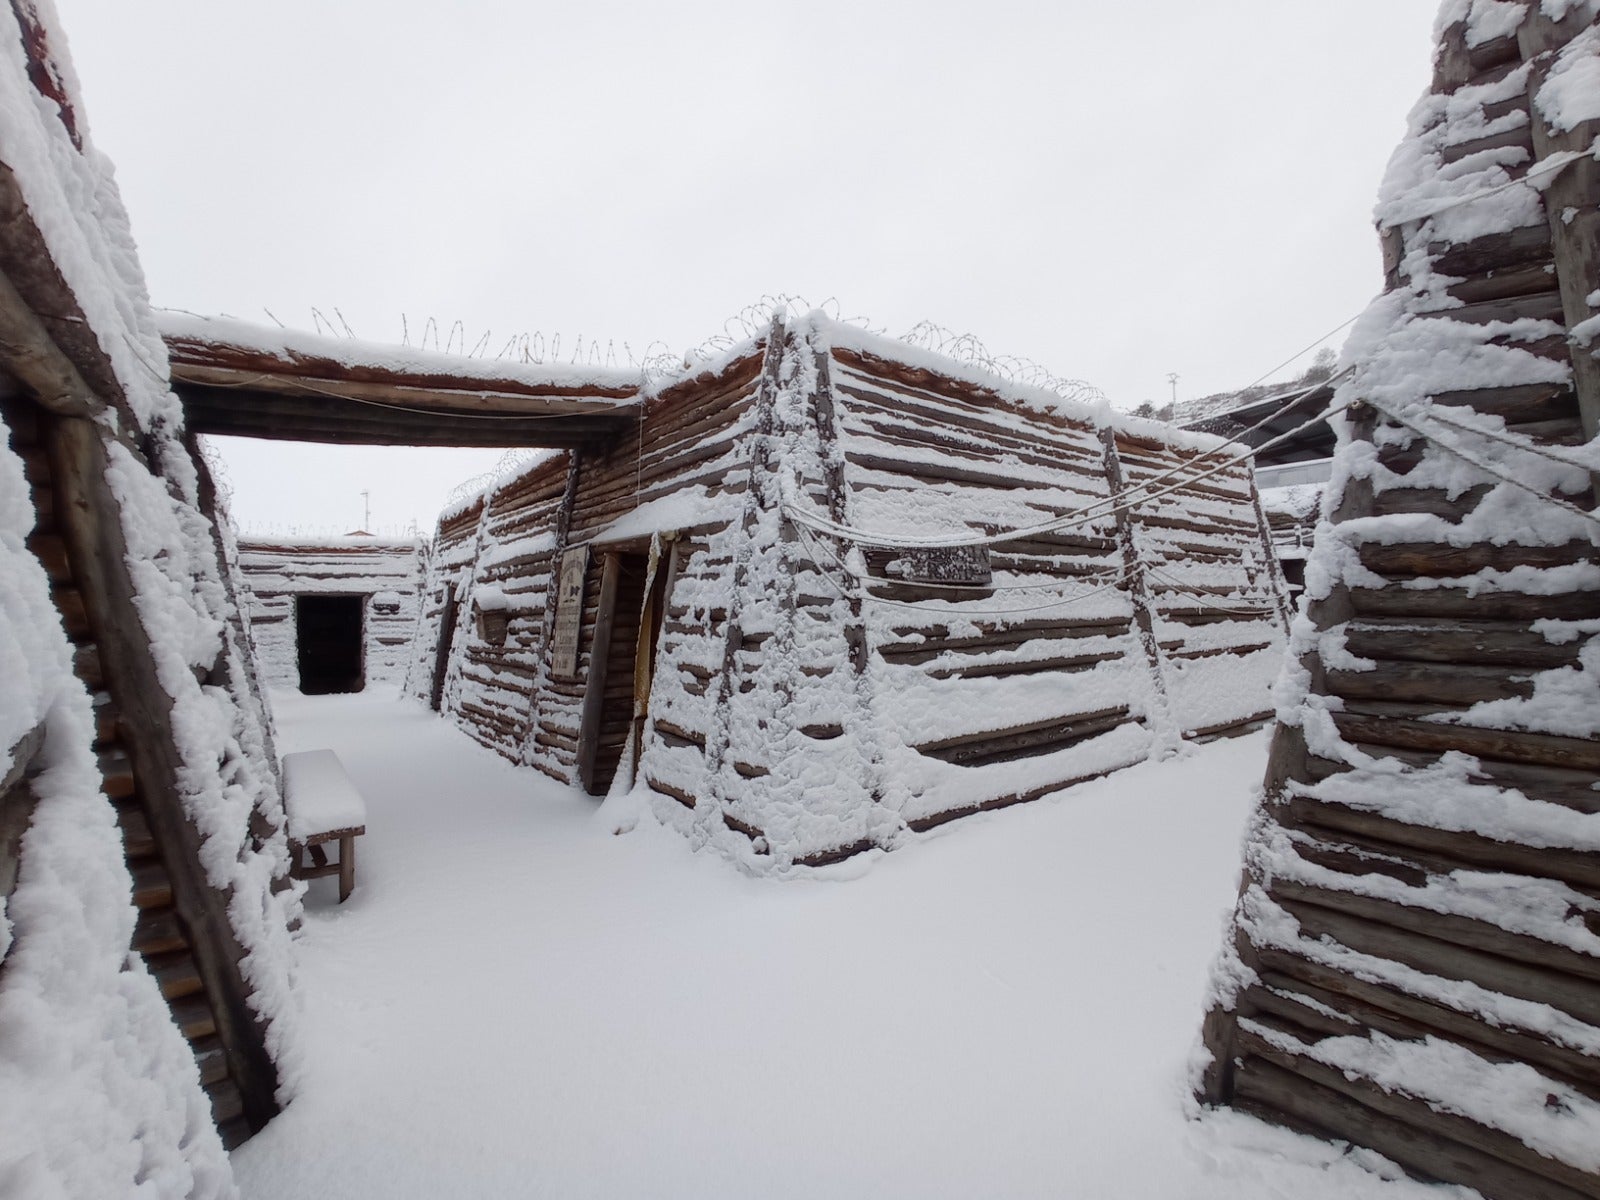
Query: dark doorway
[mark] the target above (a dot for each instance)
(621, 661)
(329, 644)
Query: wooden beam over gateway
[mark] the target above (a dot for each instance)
(250, 381)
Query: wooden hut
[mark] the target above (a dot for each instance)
(833, 589)
(331, 614)
(127, 701)
(1414, 963)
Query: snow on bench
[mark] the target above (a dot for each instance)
(322, 805)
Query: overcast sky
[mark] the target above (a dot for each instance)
(1117, 191)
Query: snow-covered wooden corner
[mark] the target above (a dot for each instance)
(323, 805)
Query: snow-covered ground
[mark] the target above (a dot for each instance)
(516, 1002)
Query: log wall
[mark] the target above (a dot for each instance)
(1415, 956)
(685, 481)
(1097, 644)
(386, 574)
(778, 667)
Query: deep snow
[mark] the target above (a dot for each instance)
(516, 1002)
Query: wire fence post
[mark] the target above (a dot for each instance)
(1161, 724)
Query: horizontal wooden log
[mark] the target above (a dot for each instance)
(218, 363)
(1391, 725)
(227, 1104)
(671, 790)
(1415, 945)
(1518, 138)
(1499, 285)
(1521, 247)
(934, 820)
(175, 974)
(1430, 1144)
(137, 840)
(1434, 502)
(194, 1018)
(157, 931)
(1431, 681)
(1569, 788)
(1516, 403)
(1397, 1013)
(1065, 664)
(1483, 606)
(1500, 644)
(1431, 559)
(211, 1059)
(1024, 741)
(1439, 851)
(935, 639)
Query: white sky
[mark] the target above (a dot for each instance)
(1116, 191)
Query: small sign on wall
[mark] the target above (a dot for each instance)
(569, 612)
(967, 565)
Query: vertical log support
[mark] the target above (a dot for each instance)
(441, 652)
(761, 466)
(541, 671)
(838, 510)
(1569, 200)
(17, 802)
(88, 516)
(1274, 570)
(462, 595)
(1138, 587)
(594, 692)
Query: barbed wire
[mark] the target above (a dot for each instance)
(511, 463)
(968, 349)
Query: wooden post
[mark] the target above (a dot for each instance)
(594, 692)
(347, 865)
(657, 596)
(761, 465)
(1138, 587)
(541, 671)
(441, 653)
(88, 515)
(1569, 199)
(1275, 579)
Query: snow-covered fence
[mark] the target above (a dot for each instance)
(781, 630)
(1414, 964)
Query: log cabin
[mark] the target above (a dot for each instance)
(330, 614)
(831, 590)
(1414, 962)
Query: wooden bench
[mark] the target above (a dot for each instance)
(322, 805)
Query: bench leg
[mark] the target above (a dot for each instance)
(347, 866)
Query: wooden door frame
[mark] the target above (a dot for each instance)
(594, 690)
